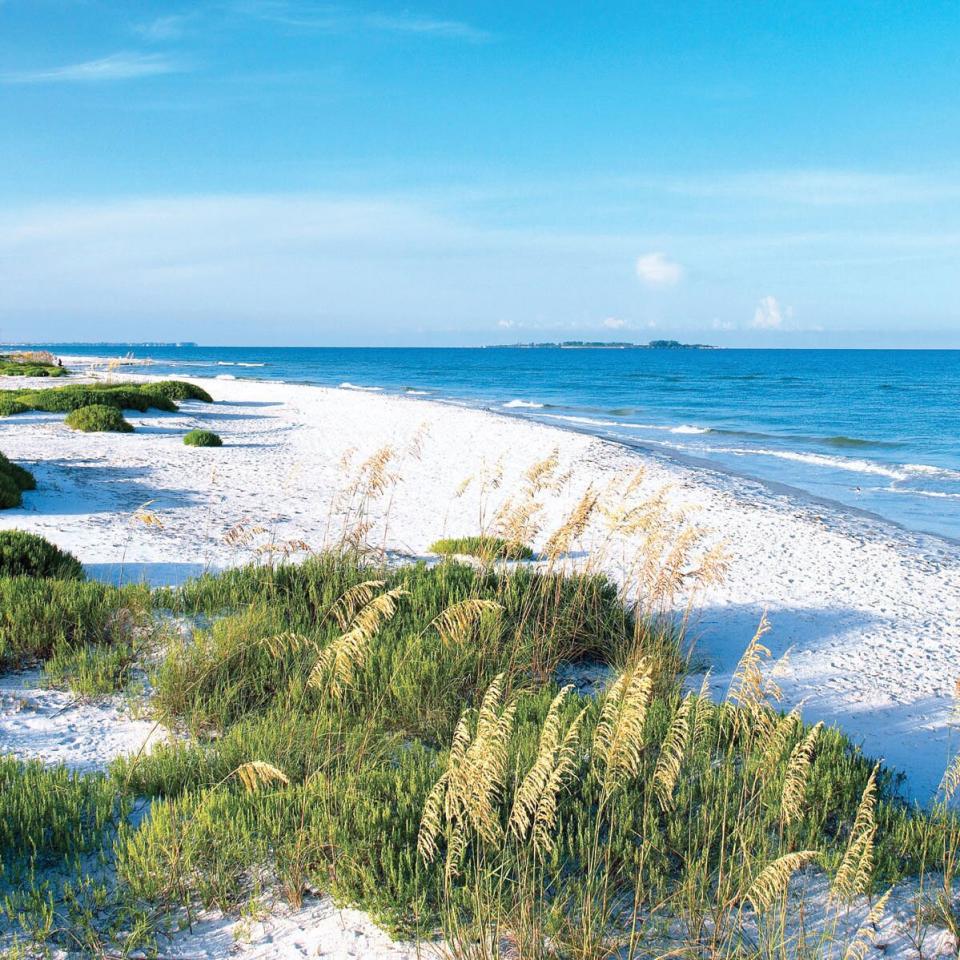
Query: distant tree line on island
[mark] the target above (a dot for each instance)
(605, 345)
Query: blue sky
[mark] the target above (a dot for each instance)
(295, 172)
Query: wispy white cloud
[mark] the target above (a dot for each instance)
(655, 270)
(614, 323)
(329, 18)
(769, 315)
(118, 66)
(170, 27)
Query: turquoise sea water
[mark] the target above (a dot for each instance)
(874, 430)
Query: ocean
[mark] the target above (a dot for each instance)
(874, 430)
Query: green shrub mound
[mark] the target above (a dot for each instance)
(10, 407)
(65, 399)
(177, 390)
(98, 418)
(484, 547)
(202, 438)
(14, 480)
(30, 365)
(25, 554)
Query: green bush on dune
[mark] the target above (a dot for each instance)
(202, 438)
(177, 390)
(124, 396)
(31, 364)
(98, 418)
(14, 479)
(483, 547)
(25, 554)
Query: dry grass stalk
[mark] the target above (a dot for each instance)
(542, 473)
(352, 599)
(517, 522)
(667, 771)
(619, 737)
(456, 623)
(951, 779)
(258, 774)
(866, 934)
(794, 793)
(771, 885)
(535, 802)
(856, 868)
(748, 685)
(338, 663)
(470, 790)
(283, 643)
(574, 527)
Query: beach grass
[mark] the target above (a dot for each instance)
(483, 547)
(396, 738)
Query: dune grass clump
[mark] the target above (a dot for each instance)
(14, 480)
(31, 364)
(123, 396)
(98, 418)
(174, 390)
(40, 616)
(25, 554)
(483, 547)
(202, 438)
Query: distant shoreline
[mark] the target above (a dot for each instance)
(600, 345)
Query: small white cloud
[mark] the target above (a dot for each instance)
(769, 315)
(506, 324)
(614, 323)
(119, 66)
(655, 270)
(164, 28)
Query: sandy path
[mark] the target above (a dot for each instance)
(870, 614)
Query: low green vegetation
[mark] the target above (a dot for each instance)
(31, 364)
(98, 418)
(24, 554)
(161, 395)
(396, 738)
(174, 390)
(202, 438)
(14, 480)
(484, 547)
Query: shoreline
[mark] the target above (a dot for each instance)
(870, 611)
(664, 453)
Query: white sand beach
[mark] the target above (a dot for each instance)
(866, 616)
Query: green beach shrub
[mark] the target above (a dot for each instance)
(10, 493)
(41, 618)
(31, 364)
(66, 399)
(10, 407)
(24, 554)
(22, 477)
(483, 547)
(98, 418)
(177, 390)
(202, 438)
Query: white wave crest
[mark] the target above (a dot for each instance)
(346, 385)
(523, 403)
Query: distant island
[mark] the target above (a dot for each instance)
(603, 345)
